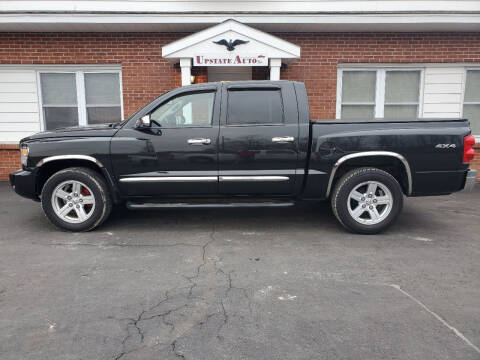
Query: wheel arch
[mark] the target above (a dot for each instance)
(87, 158)
(50, 165)
(391, 162)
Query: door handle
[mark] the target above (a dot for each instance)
(201, 141)
(283, 139)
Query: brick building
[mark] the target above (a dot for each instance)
(66, 63)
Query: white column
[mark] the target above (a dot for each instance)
(186, 66)
(275, 65)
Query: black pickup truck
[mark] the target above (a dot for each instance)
(243, 144)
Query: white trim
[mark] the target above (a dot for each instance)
(467, 21)
(464, 82)
(186, 68)
(421, 93)
(401, 66)
(63, 68)
(275, 65)
(40, 102)
(120, 80)
(380, 93)
(81, 100)
(7, 142)
(338, 112)
(216, 6)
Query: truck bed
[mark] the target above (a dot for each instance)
(433, 148)
(382, 120)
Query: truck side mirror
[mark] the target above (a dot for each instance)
(144, 121)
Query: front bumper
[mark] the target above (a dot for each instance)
(470, 180)
(23, 182)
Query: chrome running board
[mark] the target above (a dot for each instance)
(174, 205)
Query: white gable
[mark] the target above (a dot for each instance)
(258, 45)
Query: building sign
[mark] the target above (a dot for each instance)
(229, 60)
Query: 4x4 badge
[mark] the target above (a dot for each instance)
(445, 146)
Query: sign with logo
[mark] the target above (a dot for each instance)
(229, 60)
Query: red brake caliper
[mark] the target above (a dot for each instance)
(85, 192)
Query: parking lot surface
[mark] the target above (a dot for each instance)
(280, 283)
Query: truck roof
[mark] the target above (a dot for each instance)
(243, 82)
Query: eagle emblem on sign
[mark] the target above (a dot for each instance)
(230, 44)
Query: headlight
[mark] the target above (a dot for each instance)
(24, 154)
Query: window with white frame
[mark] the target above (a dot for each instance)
(471, 101)
(80, 98)
(379, 93)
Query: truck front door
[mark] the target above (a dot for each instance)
(258, 143)
(177, 154)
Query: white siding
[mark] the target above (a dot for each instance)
(19, 115)
(443, 92)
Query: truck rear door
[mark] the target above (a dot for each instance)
(258, 142)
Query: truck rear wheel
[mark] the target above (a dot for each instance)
(367, 200)
(76, 199)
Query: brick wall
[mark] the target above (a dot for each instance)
(145, 74)
(9, 160)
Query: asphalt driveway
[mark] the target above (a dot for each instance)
(241, 284)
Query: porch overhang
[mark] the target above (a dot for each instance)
(230, 44)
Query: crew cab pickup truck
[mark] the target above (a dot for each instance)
(243, 144)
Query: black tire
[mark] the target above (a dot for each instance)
(100, 192)
(348, 182)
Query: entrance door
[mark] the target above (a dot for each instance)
(229, 73)
(258, 144)
(177, 154)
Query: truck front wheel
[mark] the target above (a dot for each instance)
(367, 200)
(76, 199)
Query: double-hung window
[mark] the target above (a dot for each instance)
(80, 98)
(59, 100)
(471, 101)
(379, 93)
(358, 94)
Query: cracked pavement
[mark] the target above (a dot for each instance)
(280, 283)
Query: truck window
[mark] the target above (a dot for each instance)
(254, 107)
(192, 109)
